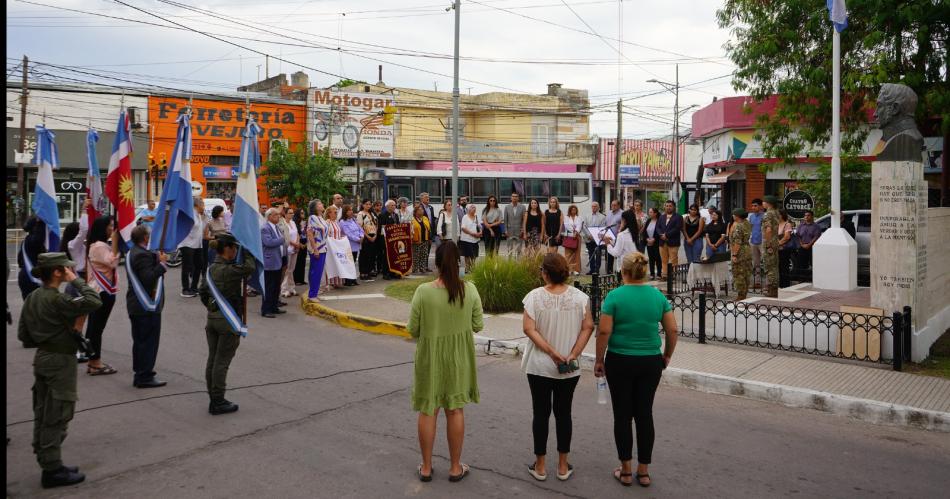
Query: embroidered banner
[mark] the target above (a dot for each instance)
(399, 248)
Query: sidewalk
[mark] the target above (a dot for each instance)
(867, 392)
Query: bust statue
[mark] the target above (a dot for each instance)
(896, 104)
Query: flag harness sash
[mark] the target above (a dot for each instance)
(28, 266)
(225, 307)
(107, 285)
(149, 303)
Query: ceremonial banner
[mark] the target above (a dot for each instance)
(399, 248)
(340, 259)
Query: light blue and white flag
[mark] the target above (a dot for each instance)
(247, 220)
(44, 196)
(93, 177)
(176, 203)
(838, 13)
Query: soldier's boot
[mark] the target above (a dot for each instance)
(773, 291)
(741, 296)
(222, 406)
(61, 477)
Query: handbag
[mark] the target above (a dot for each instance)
(569, 242)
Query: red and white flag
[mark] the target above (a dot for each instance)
(119, 187)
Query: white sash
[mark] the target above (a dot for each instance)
(225, 307)
(150, 304)
(104, 282)
(28, 266)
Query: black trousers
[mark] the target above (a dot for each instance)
(804, 260)
(785, 267)
(492, 243)
(271, 291)
(146, 332)
(97, 323)
(653, 253)
(367, 258)
(632, 381)
(543, 392)
(192, 265)
(300, 268)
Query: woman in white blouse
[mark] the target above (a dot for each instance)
(626, 241)
(557, 319)
(573, 227)
(445, 221)
(292, 237)
(469, 237)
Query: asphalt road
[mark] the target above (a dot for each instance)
(325, 413)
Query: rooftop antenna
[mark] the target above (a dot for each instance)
(191, 103)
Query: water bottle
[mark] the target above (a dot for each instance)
(601, 390)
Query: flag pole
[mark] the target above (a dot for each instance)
(247, 113)
(836, 130)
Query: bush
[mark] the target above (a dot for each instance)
(503, 282)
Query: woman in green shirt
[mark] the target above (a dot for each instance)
(445, 314)
(633, 363)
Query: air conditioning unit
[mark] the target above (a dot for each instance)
(270, 150)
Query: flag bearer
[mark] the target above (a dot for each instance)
(221, 292)
(47, 324)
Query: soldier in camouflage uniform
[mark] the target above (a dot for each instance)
(47, 323)
(741, 252)
(223, 340)
(770, 238)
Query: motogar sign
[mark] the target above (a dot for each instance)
(350, 124)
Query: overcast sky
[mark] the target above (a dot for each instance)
(506, 45)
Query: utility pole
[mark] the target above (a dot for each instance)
(618, 148)
(455, 122)
(676, 128)
(20, 180)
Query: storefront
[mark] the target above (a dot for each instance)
(216, 127)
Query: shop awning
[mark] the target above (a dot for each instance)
(721, 177)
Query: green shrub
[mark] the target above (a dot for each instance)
(503, 282)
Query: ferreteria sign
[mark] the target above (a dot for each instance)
(226, 120)
(796, 203)
(350, 124)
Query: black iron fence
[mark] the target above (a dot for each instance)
(841, 335)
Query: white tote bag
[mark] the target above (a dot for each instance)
(340, 259)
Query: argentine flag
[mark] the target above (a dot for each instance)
(838, 13)
(176, 203)
(247, 220)
(44, 196)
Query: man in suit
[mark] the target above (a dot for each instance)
(145, 300)
(430, 214)
(669, 226)
(514, 216)
(273, 244)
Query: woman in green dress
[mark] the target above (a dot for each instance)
(445, 314)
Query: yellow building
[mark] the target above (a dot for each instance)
(553, 128)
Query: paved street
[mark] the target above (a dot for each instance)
(325, 413)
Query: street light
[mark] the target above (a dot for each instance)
(673, 88)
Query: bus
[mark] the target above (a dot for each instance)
(394, 183)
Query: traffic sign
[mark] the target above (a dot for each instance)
(630, 175)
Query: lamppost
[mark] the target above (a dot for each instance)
(673, 88)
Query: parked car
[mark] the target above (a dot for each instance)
(862, 224)
(174, 258)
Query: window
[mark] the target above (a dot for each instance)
(537, 188)
(580, 191)
(561, 189)
(509, 186)
(431, 185)
(223, 160)
(543, 140)
(864, 222)
(482, 188)
(447, 187)
(400, 188)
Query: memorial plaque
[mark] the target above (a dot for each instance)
(898, 235)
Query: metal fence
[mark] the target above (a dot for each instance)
(842, 335)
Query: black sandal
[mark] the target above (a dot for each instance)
(645, 475)
(423, 478)
(619, 477)
(100, 371)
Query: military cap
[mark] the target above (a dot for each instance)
(770, 199)
(226, 238)
(740, 212)
(47, 260)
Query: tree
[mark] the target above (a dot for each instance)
(299, 176)
(345, 82)
(855, 185)
(784, 47)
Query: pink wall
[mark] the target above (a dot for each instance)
(499, 167)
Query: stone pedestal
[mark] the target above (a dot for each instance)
(835, 261)
(898, 235)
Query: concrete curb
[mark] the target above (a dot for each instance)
(871, 411)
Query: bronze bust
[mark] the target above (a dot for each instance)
(896, 104)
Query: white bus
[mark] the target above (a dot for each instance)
(393, 183)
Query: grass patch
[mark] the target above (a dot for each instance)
(938, 364)
(503, 282)
(403, 289)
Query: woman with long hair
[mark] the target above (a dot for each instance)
(445, 222)
(628, 353)
(369, 223)
(653, 245)
(557, 319)
(626, 242)
(354, 233)
(533, 225)
(103, 260)
(551, 225)
(716, 240)
(642, 218)
(693, 230)
(571, 240)
(300, 268)
(445, 376)
(491, 221)
(316, 247)
(421, 241)
(30, 249)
